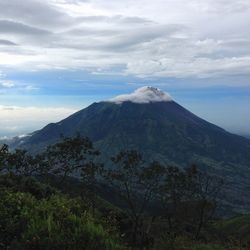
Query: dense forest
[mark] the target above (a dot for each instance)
(64, 198)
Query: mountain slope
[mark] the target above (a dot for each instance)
(163, 127)
(151, 122)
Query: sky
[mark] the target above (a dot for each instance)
(59, 56)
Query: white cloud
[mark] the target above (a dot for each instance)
(161, 38)
(198, 67)
(19, 120)
(14, 87)
(6, 84)
(143, 95)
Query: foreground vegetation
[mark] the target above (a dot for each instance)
(56, 222)
(130, 205)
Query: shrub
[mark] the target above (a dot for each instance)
(18, 183)
(208, 247)
(54, 223)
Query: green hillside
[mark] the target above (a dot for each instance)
(237, 228)
(162, 131)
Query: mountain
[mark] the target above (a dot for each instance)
(247, 136)
(150, 121)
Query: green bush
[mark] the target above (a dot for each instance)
(207, 247)
(184, 243)
(18, 183)
(54, 223)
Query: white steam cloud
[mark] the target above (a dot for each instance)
(143, 95)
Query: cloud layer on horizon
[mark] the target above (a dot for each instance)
(19, 120)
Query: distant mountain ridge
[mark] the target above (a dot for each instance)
(153, 123)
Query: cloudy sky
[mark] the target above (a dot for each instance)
(58, 56)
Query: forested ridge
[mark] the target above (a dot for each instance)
(63, 198)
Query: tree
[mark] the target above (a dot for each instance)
(76, 156)
(188, 198)
(43, 166)
(70, 156)
(136, 184)
(22, 163)
(205, 195)
(90, 172)
(4, 150)
(172, 193)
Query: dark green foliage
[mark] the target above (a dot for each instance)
(21, 162)
(71, 156)
(136, 183)
(161, 207)
(34, 215)
(4, 150)
(236, 230)
(19, 183)
(208, 247)
(162, 131)
(182, 243)
(187, 201)
(75, 156)
(54, 223)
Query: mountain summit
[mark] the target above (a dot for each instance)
(151, 122)
(143, 95)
